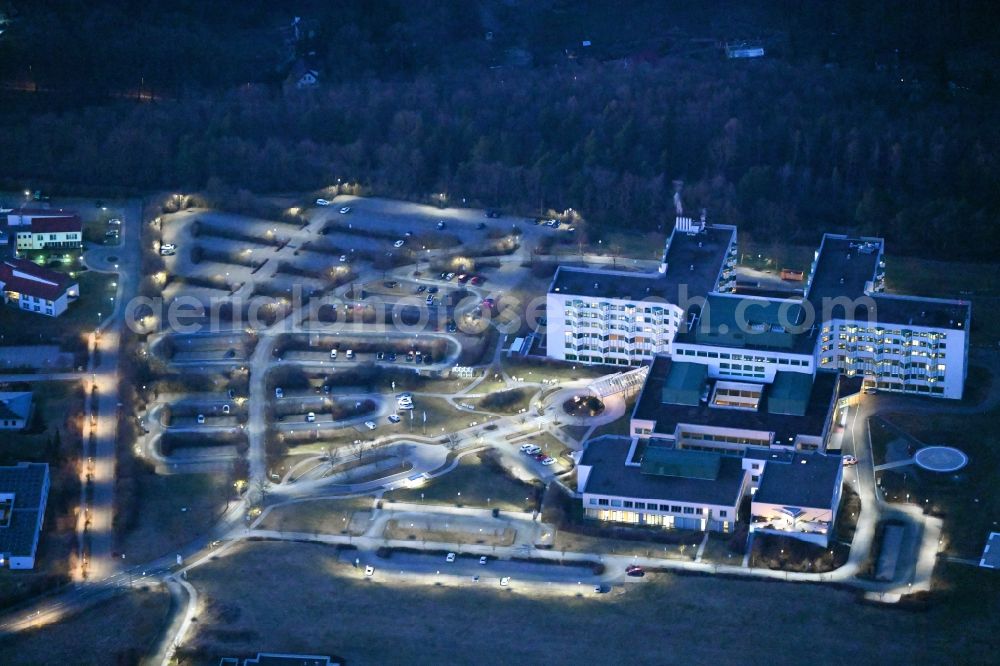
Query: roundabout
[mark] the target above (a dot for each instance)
(942, 459)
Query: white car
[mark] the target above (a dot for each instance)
(343, 258)
(505, 581)
(399, 243)
(279, 392)
(345, 210)
(450, 557)
(370, 425)
(526, 447)
(850, 460)
(115, 221)
(369, 570)
(333, 354)
(449, 277)
(483, 560)
(349, 354)
(311, 417)
(548, 461)
(393, 418)
(322, 202)
(201, 419)
(532, 450)
(225, 409)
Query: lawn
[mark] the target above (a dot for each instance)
(55, 405)
(25, 328)
(968, 501)
(472, 483)
(121, 630)
(322, 516)
(461, 624)
(562, 371)
(174, 509)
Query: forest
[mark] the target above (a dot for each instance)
(865, 117)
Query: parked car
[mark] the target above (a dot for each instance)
(448, 277)
(201, 419)
(369, 570)
(531, 449)
(440, 224)
(322, 202)
(399, 243)
(393, 418)
(430, 299)
(540, 457)
(489, 303)
(492, 214)
(345, 210)
(333, 354)
(476, 280)
(850, 460)
(635, 570)
(169, 247)
(115, 221)
(505, 581)
(390, 284)
(421, 289)
(450, 557)
(391, 357)
(225, 409)
(380, 356)
(349, 354)
(481, 226)
(311, 417)
(432, 290)
(483, 560)
(463, 278)
(279, 392)
(548, 461)
(370, 425)
(343, 258)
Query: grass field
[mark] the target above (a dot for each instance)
(174, 510)
(339, 516)
(480, 485)
(968, 501)
(121, 630)
(377, 622)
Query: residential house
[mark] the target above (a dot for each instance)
(15, 410)
(30, 287)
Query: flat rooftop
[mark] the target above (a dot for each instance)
(650, 407)
(749, 322)
(807, 480)
(26, 482)
(609, 475)
(916, 311)
(844, 266)
(693, 260)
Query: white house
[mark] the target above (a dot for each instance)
(15, 410)
(46, 233)
(30, 287)
(24, 490)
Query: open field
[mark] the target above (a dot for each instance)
(121, 630)
(324, 516)
(173, 510)
(480, 484)
(297, 616)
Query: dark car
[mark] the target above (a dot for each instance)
(635, 570)
(481, 226)
(428, 360)
(493, 213)
(380, 356)
(391, 356)
(432, 290)
(421, 289)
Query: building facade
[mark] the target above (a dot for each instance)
(692, 309)
(30, 287)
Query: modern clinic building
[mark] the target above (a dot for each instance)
(693, 310)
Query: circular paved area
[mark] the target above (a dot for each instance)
(941, 459)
